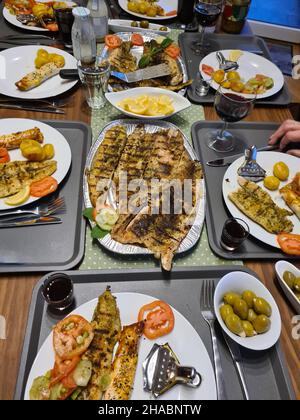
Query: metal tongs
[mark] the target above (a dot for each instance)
(226, 65)
(162, 371)
(250, 169)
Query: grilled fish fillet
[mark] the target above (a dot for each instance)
(13, 141)
(124, 366)
(107, 327)
(17, 174)
(121, 59)
(37, 77)
(105, 162)
(258, 205)
(291, 194)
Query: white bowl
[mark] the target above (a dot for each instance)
(281, 267)
(179, 102)
(124, 25)
(238, 282)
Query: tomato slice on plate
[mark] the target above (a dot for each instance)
(137, 39)
(289, 243)
(172, 13)
(63, 368)
(4, 155)
(159, 319)
(112, 41)
(173, 51)
(207, 69)
(43, 187)
(72, 336)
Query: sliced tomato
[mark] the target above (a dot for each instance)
(207, 69)
(53, 27)
(43, 187)
(289, 243)
(112, 41)
(4, 155)
(173, 51)
(171, 13)
(137, 39)
(72, 336)
(159, 319)
(63, 368)
(68, 382)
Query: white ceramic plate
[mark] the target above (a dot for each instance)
(167, 5)
(238, 282)
(281, 267)
(267, 161)
(250, 65)
(184, 340)
(20, 61)
(51, 135)
(179, 102)
(12, 19)
(123, 25)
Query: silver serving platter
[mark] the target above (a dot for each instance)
(138, 52)
(150, 127)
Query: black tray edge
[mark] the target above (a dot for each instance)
(22, 364)
(15, 268)
(219, 251)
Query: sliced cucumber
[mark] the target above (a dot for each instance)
(82, 373)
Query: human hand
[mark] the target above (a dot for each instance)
(288, 132)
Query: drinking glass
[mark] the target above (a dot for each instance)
(95, 81)
(230, 107)
(58, 292)
(234, 233)
(207, 13)
(65, 19)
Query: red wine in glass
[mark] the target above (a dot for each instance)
(207, 14)
(232, 108)
(234, 233)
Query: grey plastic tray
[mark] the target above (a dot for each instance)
(223, 42)
(266, 373)
(53, 247)
(216, 211)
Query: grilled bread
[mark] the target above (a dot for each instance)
(37, 77)
(291, 194)
(13, 141)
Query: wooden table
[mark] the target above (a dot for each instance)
(15, 290)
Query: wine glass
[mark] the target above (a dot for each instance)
(207, 13)
(230, 107)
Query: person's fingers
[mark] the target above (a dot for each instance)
(289, 137)
(294, 152)
(288, 125)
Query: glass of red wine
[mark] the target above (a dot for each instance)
(207, 13)
(234, 233)
(230, 107)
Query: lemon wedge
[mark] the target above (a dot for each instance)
(235, 55)
(19, 198)
(152, 106)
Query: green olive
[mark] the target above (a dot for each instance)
(230, 297)
(262, 324)
(251, 316)
(289, 278)
(262, 307)
(248, 297)
(297, 285)
(234, 324)
(240, 308)
(225, 310)
(134, 24)
(248, 328)
(144, 24)
(163, 28)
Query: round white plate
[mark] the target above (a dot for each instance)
(51, 135)
(184, 341)
(250, 65)
(179, 102)
(238, 282)
(123, 25)
(19, 61)
(267, 160)
(167, 5)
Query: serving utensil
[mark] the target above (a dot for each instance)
(207, 312)
(225, 64)
(48, 220)
(143, 74)
(54, 206)
(230, 159)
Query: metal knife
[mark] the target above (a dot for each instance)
(34, 221)
(228, 160)
(25, 107)
(236, 355)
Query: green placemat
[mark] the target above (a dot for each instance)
(97, 257)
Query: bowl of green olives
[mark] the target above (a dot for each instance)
(247, 311)
(289, 279)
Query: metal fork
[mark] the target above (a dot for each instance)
(55, 103)
(54, 206)
(207, 311)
